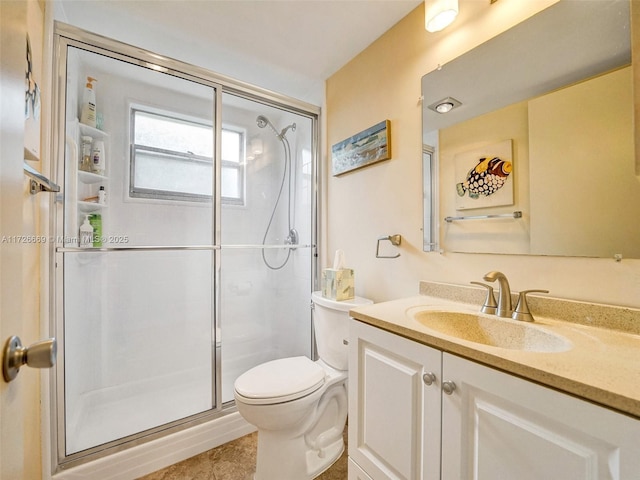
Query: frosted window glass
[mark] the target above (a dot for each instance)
(159, 172)
(173, 134)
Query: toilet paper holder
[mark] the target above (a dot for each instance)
(395, 240)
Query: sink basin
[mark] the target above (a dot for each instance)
(491, 330)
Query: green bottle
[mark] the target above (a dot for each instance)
(96, 222)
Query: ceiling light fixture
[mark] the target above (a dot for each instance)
(439, 14)
(445, 105)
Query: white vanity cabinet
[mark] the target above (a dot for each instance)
(355, 472)
(394, 416)
(491, 426)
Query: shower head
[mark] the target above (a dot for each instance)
(262, 121)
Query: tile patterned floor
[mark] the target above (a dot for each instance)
(232, 461)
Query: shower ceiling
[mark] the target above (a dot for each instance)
(290, 46)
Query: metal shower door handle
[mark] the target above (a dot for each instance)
(39, 355)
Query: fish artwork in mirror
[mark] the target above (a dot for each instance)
(557, 89)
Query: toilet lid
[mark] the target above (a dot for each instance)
(280, 380)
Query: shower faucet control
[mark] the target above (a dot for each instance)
(292, 238)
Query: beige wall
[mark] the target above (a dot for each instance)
(592, 124)
(383, 82)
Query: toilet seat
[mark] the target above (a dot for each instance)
(279, 381)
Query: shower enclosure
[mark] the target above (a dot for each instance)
(202, 255)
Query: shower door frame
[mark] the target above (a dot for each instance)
(69, 36)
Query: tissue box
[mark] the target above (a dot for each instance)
(338, 284)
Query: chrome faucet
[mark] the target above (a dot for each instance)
(504, 294)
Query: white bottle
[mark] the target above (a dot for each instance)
(97, 157)
(102, 195)
(85, 162)
(86, 233)
(88, 116)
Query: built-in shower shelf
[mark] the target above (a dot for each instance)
(90, 178)
(92, 131)
(89, 207)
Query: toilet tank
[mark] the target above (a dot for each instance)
(331, 326)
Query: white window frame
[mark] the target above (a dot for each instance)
(158, 194)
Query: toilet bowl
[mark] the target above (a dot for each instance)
(300, 406)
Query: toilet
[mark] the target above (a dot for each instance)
(300, 406)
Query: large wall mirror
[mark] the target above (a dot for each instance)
(537, 155)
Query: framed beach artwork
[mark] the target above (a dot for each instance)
(365, 148)
(484, 176)
(33, 77)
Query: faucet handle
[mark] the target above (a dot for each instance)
(522, 308)
(490, 304)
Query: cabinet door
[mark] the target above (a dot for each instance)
(355, 472)
(496, 426)
(394, 417)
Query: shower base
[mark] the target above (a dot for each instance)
(108, 414)
(154, 455)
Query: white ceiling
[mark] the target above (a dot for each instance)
(288, 46)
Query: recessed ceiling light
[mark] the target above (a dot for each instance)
(445, 105)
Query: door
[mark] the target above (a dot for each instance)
(19, 400)
(394, 405)
(498, 426)
(266, 226)
(139, 294)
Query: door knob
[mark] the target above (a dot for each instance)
(39, 355)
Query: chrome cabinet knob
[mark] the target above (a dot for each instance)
(39, 355)
(448, 387)
(428, 378)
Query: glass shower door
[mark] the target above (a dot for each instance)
(139, 341)
(266, 237)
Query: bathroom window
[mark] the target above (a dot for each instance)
(172, 158)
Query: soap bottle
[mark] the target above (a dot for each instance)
(95, 220)
(102, 195)
(86, 233)
(97, 157)
(88, 116)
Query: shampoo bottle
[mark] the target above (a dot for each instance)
(88, 116)
(97, 157)
(86, 233)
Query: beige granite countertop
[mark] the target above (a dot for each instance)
(602, 366)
